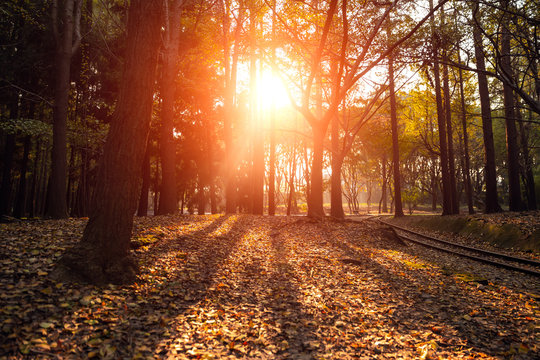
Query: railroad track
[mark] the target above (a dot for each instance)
(522, 265)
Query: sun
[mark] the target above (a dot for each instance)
(272, 91)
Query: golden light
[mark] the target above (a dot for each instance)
(272, 91)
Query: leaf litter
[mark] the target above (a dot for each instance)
(243, 286)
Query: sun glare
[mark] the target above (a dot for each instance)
(272, 91)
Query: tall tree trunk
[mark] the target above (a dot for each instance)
(169, 196)
(466, 160)
(527, 163)
(201, 199)
(102, 255)
(291, 182)
(257, 180)
(20, 203)
(35, 171)
(210, 167)
(384, 197)
(509, 117)
(492, 201)
(143, 198)
(336, 201)
(231, 67)
(83, 189)
(395, 141)
(5, 188)
(315, 205)
(454, 202)
(443, 148)
(66, 44)
(272, 160)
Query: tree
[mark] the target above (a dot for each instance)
(102, 255)
(171, 44)
(492, 202)
(67, 41)
(509, 117)
(398, 209)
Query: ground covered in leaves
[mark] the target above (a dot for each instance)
(256, 287)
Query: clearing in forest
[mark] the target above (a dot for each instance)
(257, 287)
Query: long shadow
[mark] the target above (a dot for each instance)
(433, 308)
(196, 258)
(471, 320)
(297, 328)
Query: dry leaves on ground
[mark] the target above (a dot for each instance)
(255, 287)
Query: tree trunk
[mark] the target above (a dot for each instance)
(315, 204)
(466, 162)
(384, 197)
(102, 256)
(169, 196)
(56, 196)
(20, 203)
(229, 105)
(143, 198)
(5, 189)
(33, 187)
(443, 149)
(272, 160)
(449, 133)
(201, 199)
(509, 117)
(257, 180)
(527, 163)
(492, 202)
(395, 141)
(336, 201)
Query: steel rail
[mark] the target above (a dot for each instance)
(469, 248)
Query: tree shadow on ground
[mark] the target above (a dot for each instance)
(182, 270)
(429, 304)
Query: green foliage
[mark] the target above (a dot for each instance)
(29, 127)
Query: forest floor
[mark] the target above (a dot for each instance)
(260, 287)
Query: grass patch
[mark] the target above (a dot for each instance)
(500, 235)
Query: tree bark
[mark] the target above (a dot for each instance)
(5, 188)
(257, 180)
(169, 195)
(509, 117)
(528, 175)
(449, 133)
(384, 197)
(102, 256)
(20, 203)
(66, 43)
(466, 162)
(441, 123)
(315, 205)
(336, 201)
(492, 201)
(395, 141)
(142, 209)
(272, 160)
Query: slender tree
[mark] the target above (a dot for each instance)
(398, 209)
(167, 146)
(509, 116)
(441, 121)
(466, 159)
(257, 180)
(492, 202)
(67, 35)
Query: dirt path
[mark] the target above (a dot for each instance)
(258, 287)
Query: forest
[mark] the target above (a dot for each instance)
(235, 178)
(264, 106)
